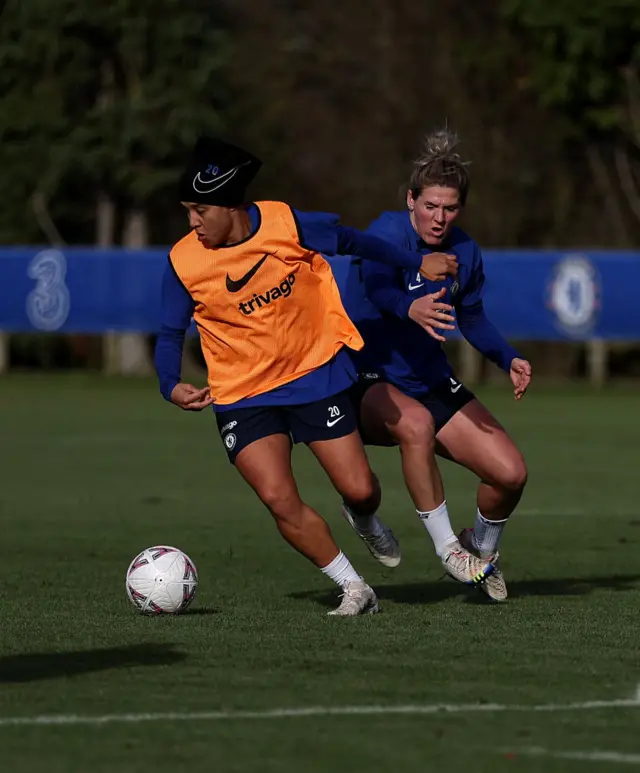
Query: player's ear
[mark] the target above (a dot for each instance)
(410, 201)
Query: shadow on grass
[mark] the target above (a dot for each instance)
(408, 593)
(437, 592)
(36, 666)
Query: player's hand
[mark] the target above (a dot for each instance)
(429, 313)
(520, 373)
(190, 398)
(437, 265)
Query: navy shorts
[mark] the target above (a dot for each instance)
(442, 401)
(326, 419)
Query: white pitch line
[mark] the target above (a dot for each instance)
(574, 513)
(595, 756)
(314, 711)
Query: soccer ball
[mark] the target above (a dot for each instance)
(161, 581)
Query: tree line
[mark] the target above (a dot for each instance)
(100, 103)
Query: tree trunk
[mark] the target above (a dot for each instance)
(105, 238)
(133, 357)
(4, 352)
(105, 221)
(135, 232)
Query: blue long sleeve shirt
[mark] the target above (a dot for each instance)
(379, 298)
(319, 232)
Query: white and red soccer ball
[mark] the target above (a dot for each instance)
(161, 581)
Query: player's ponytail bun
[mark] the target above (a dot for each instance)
(439, 164)
(440, 143)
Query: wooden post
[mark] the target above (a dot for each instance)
(105, 238)
(125, 354)
(597, 362)
(4, 352)
(134, 358)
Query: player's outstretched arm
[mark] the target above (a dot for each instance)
(434, 266)
(476, 327)
(485, 338)
(323, 233)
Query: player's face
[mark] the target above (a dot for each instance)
(211, 224)
(434, 212)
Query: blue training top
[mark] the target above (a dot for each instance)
(378, 298)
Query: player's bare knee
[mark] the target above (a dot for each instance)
(362, 493)
(283, 502)
(416, 428)
(514, 473)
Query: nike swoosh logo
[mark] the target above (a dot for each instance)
(335, 421)
(209, 186)
(455, 385)
(419, 282)
(234, 286)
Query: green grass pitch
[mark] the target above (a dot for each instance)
(94, 470)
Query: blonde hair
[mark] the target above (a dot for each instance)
(439, 164)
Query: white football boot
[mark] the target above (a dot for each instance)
(464, 566)
(494, 585)
(357, 599)
(382, 544)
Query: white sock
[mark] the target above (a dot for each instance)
(340, 570)
(367, 524)
(486, 534)
(438, 525)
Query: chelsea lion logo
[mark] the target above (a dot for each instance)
(574, 295)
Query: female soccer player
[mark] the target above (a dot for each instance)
(409, 394)
(275, 335)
